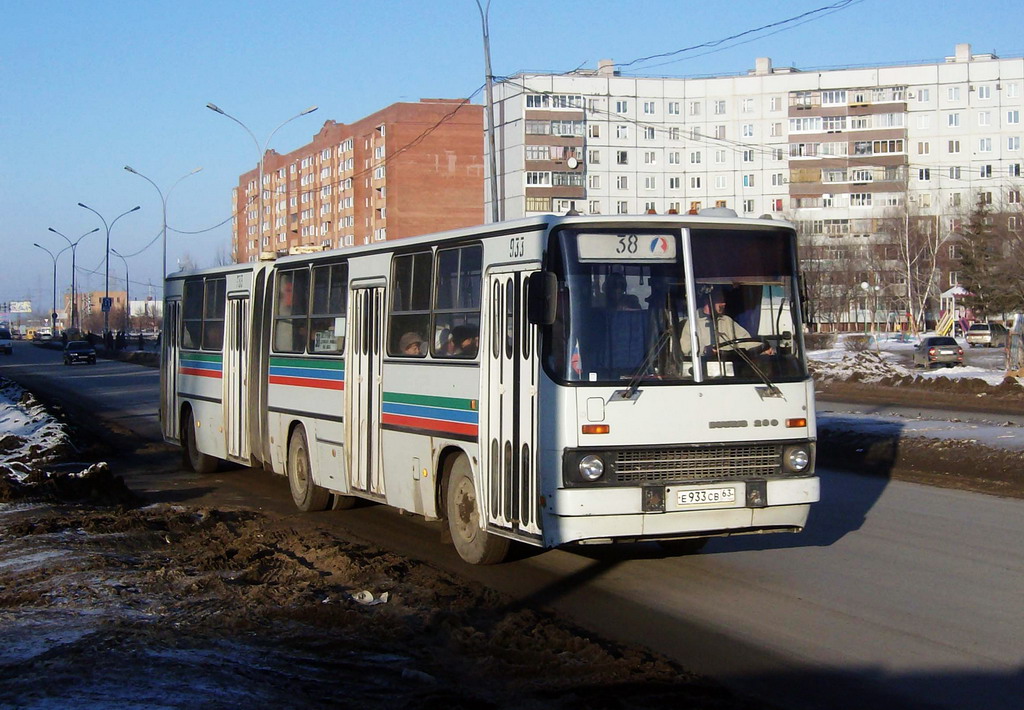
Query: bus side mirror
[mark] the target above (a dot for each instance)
(542, 298)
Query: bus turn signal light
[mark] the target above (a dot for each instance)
(596, 428)
(797, 423)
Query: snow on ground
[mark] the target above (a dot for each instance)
(888, 355)
(28, 433)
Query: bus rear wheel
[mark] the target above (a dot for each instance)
(307, 495)
(474, 544)
(192, 458)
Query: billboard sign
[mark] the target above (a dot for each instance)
(21, 306)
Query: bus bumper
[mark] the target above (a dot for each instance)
(617, 514)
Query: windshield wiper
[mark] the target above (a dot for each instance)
(634, 381)
(773, 391)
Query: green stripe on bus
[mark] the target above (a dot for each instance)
(331, 364)
(204, 357)
(427, 400)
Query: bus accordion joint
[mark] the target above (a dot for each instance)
(596, 429)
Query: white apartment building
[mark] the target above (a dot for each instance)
(839, 152)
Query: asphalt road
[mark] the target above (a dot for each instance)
(896, 596)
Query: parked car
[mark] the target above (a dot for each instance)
(938, 350)
(6, 346)
(989, 335)
(79, 351)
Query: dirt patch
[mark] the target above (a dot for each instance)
(182, 606)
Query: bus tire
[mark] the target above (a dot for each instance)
(689, 546)
(192, 458)
(474, 544)
(307, 495)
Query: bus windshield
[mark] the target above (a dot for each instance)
(626, 310)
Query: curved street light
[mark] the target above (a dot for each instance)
(163, 201)
(74, 249)
(262, 150)
(127, 299)
(53, 313)
(106, 262)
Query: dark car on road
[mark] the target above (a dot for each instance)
(6, 346)
(79, 351)
(938, 350)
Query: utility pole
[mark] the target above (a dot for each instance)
(484, 11)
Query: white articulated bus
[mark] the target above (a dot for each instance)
(553, 380)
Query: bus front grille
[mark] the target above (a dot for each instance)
(698, 463)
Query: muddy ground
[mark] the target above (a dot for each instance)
(168, 606)
(107, 601)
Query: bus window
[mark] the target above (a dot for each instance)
(456, 330)
(192, 314)
(213, 314)
(409, 319)
(290, 327)
(327, 316)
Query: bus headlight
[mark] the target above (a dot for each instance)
(591, 467)
(796, 459)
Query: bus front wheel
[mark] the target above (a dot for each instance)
(474, 544)
(307, 495)
(192, 457)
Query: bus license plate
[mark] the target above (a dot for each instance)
(706, 496)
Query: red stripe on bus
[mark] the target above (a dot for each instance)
(433, 424)
(307, 382)
(199, 372)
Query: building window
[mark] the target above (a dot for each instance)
(953, 93)
(594, 130)
(622, 157)
(650, 157)
(720, 132)
(835, 97)
(748, 130)
(953, 147)
(621, 131)
(594, 182)
(621, 106)
(1013, 170)
(695, 108)
(748, 206)
(747, 105)
(719, 157)
(538, 204)
(622, 207)
(695, 157)
(673, 157)
(719, 108)
(594, 157)
(622, 182)
(673, 108)
(984, 118)
(860, 199)
(986, 171)
(649, 133)
(984, 92)
(954, 172)
(673, 183)
(695, 182)
(538, 178)
(721, 182)
(924, 174)
(650, 182)
(748, 156)
(953, 120)
(1013, 143)
(748, 180)
(775, 104)
(594, 207)
(923, 96)
(649, 108)
(923, 147)
(1013, 116)
(985, 145)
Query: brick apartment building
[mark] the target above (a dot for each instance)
(409, 169)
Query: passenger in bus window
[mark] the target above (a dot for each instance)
(616, 298)
(411, 344)
(465, 341)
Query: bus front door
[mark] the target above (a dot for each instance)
(509, 408)
(362, 386)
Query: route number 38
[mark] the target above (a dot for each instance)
(516, 247)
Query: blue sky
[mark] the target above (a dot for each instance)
(86, 88)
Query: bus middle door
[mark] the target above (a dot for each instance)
(363, 390)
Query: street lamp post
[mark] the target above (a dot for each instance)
(127, 298)
(106, 263)
(484, 12)
(54, 257)
(74, 249)
(262, 150)
(163, 201)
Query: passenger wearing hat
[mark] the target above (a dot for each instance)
(411, 344)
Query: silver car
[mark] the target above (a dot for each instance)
(989, 335)
(938, 350)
